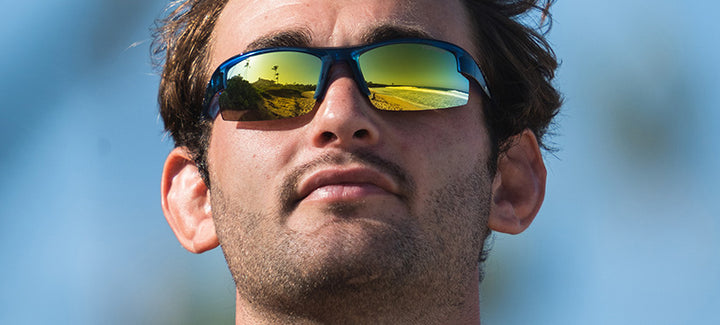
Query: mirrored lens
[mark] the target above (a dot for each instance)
(405, 77)
(270, 86)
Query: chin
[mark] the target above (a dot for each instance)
(341, 257)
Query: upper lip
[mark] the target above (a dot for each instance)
(338, 175)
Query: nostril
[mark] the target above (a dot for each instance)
(360, 134)
(328, 136)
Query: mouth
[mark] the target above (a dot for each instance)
(346, 183)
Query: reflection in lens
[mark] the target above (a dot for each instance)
(406, 77)
(270, 86)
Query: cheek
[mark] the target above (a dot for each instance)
(443, 145)
(244, 164)
(445, 134)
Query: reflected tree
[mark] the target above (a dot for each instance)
(277, 74)
(238, 98)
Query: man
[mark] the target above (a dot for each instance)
(353, 160)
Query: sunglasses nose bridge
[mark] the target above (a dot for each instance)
(333, 57)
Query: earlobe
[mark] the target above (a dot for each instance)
(519, 185)
(186, 202)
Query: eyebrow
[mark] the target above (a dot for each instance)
(388, 32)
(290, 38)
(302, 37)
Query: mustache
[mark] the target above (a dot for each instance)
(289, 187)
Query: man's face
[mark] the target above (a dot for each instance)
(347, 197)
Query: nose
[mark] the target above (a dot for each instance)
(345, 117)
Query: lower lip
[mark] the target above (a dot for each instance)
(344, 192)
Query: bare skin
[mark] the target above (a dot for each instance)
(350, 214)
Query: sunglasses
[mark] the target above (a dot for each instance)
(396, 75)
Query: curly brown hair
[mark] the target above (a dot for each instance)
(518, 63)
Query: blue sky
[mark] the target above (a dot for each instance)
(629, 233)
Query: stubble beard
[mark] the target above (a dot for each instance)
(367, 263)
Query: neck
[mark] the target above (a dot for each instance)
(424, 303)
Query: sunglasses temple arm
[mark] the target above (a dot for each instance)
(210, 107)
(469, 67)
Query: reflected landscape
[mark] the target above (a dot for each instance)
(264, 100)
(269, 100)
(407, 98)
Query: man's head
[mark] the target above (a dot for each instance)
(349, 202)
(516, 60)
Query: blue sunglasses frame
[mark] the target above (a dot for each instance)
(466, 66)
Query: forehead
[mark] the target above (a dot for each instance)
(243, 24)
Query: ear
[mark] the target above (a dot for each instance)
(519, 185)
(186, 202)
